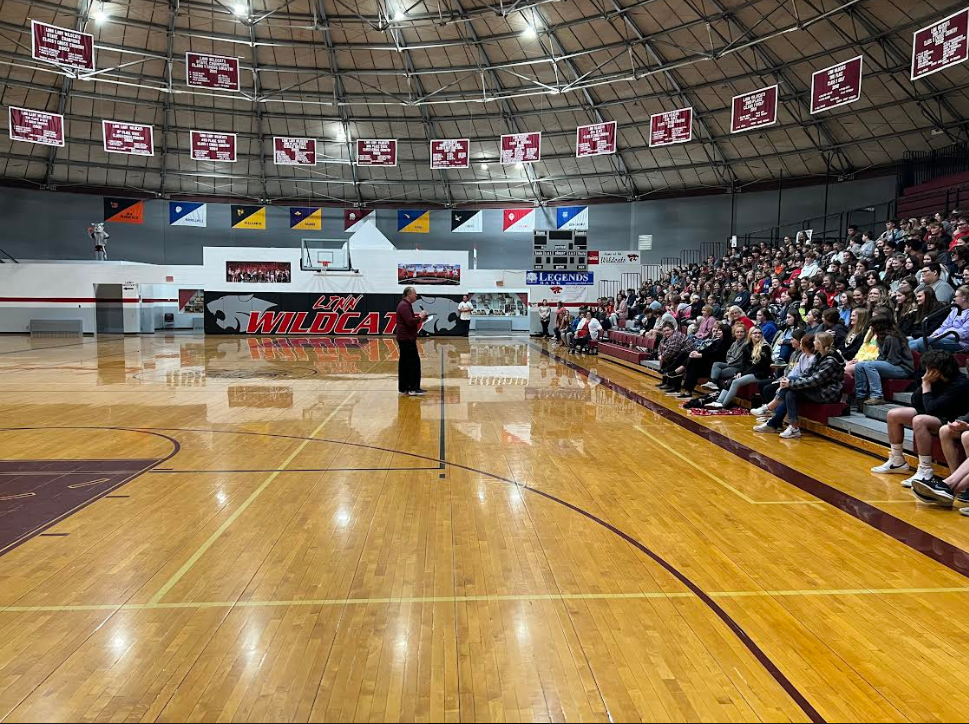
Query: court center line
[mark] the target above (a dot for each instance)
(187, 566)
(511, 598)
(720, 481)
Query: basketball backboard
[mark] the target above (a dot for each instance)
(325, 255)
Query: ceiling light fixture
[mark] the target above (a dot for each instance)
(100, 14)
(240, 10)
(529, 33)
(400, 15)
(484, 167)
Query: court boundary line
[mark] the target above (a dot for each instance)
(909, 535)
(485, 598)
(171, 471)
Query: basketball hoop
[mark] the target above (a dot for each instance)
(324, 267)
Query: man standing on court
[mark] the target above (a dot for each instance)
(408, 324)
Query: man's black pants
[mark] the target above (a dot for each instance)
(409, 367)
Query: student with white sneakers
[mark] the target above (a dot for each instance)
(942, 396)
(822, 383)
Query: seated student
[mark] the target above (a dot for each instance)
(734, 359)
(831, 322)
(707, 323)
(823, 383)
(812, 321)
(736, 314)
(955, 488)
(586, 331)
(800, 362)
(782, 342)
(942, 396)
(765, 320)
(700, 361)
(674, 346)
(894, 362)
(755, 368)
(953, 335)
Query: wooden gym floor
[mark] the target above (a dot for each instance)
(263, 530)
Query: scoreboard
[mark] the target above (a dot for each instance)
(561, 250)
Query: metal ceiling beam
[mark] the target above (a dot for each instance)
(725, 171)
(782, 73)
(430, 129)
(510, 119)
(338, 91)
(592, 108)
(167, 97)
(84, 8)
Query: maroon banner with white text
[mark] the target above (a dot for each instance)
(596, 139)
(289, 151)
(940, 45)
(671, 127)
(61, 46)
(135, 139)
(40, 127)
(756, 109)
(376, 152)
(450, 153)
(837, 85)
(213, 146)
(521, 148)
(211, 71)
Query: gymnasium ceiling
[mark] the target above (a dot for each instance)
(420, 69)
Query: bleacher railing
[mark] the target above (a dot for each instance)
(832, 226)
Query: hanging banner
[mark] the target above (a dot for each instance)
(467, 222)
(940, 45)
(756, 109)
(837, 85)
(437, 274)
(613, 257)
(40, 127)
(184, 213)
(597, 139)
(134, 139)
(289, 151)
(213, 146)
(671, 127)
(575, 218)
(211, 71)
(61, 46)
(376, 152)
(301, 217)
(450, 153)
(411, 221)
(521, 148)
(518, 221)
(248, 217)
(124, 211)
(356, 219)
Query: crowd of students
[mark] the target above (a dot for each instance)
(824, 322)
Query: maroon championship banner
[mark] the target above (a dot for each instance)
(754, 110)
(521, 148)
(211, 71)
(213, 146)
(671, 127)
(36, 126)
(597, 139)
(376, 152)
(135, 139)
(450, 153)
(288, 151)
(837, 85)
(313, 314)
(940, 45)
(61, 46)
